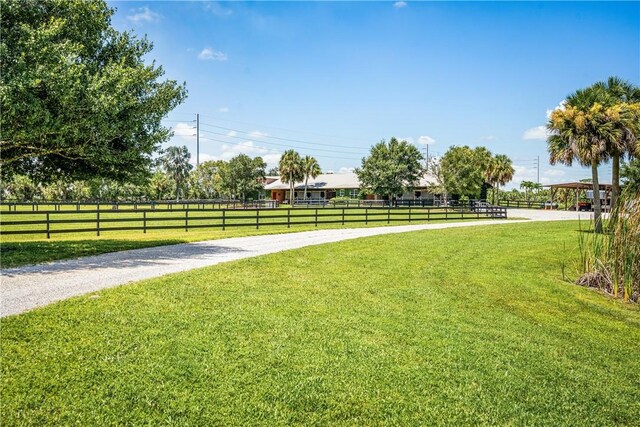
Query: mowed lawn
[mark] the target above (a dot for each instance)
(440, 327)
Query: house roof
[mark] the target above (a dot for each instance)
(336, 181)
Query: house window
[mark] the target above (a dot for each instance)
(308, 194)
(418, 194)
(322, 194)
(341, 194)
(354, 193)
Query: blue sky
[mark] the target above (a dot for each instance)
(332, 78)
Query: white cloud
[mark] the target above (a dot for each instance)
(204, 157)
(538, 132)
(184, 131)
(400, 4)
(217, 9)
(561, 106)
(426, 140)
(143, 14)
(258, 134)
(211, 54)
(250, 149)
(223, 110)
(346, 170)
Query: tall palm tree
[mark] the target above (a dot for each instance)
(583, 131)
(175, 162)
(623, 101)
(310, 168)
(499, 171)
(290, 167)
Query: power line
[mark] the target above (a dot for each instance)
(269, 149)
(283, 129)
(276, 144)
(300, 141)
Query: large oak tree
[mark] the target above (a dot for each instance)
(78, 100)
(391, 168)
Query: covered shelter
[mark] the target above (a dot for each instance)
(575, 189)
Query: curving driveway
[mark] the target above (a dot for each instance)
(25, 288)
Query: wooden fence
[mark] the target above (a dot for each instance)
(153, 205)
(98, 221)
(525, 204)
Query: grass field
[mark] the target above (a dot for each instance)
(441, 327)
(17, 250)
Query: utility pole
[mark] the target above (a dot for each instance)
(427, 159)
(537, 160)
(197, 139)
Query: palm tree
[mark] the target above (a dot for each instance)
(536, 186)
(175, 162)
(290, 167)
(310, 168)
(621, 97)
(500, 171)
(526, 186)
(583, 131)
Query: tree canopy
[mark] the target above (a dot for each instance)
(391, 168)
(77, 99)
(242, 176)
(175, 162)
(463, 169)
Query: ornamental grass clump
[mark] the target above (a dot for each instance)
(611, 262)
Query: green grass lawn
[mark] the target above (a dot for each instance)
(441, 327)
(18, 250)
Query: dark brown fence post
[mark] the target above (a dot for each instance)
(316, 217)
(223, 218)
(409, 214)
(366, 215)
(48, 227)
(343, 215)
(288, 217)
(98, 223)
(144, 222)
(257, 219)
(186, 219)
(389, 213)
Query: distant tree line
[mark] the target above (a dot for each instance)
(172, 177)
(395, 167)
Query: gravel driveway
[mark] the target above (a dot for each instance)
(25, 288)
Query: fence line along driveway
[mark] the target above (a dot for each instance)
(25, 288)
